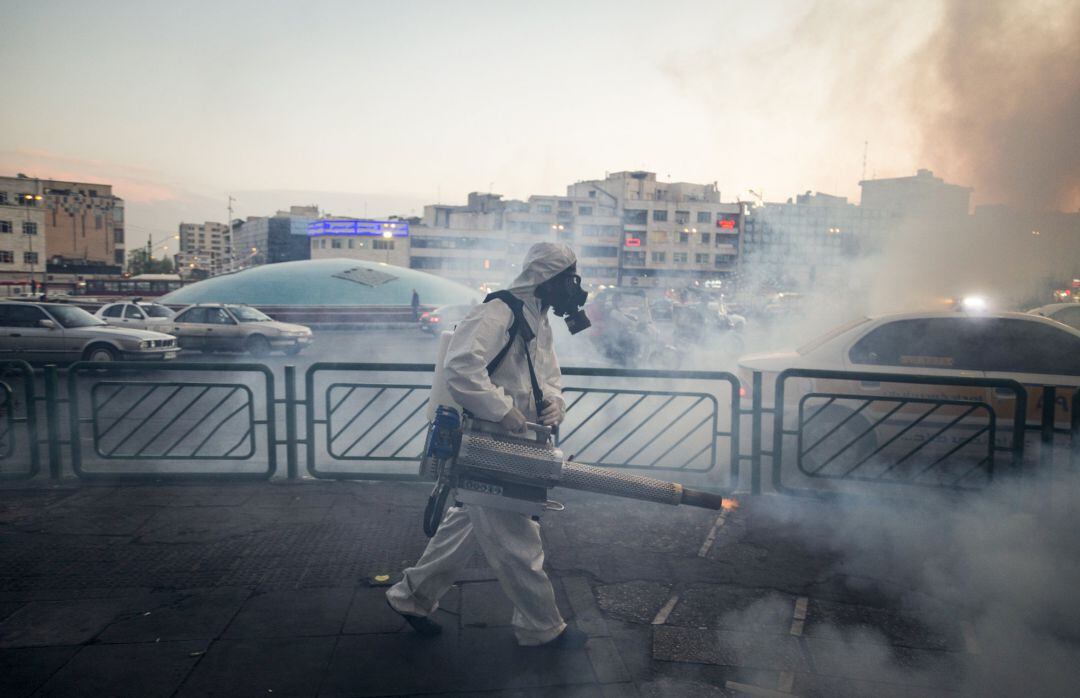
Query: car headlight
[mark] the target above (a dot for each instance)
(146, 344)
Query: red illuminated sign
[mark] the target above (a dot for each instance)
(633, 242)
(725, 223)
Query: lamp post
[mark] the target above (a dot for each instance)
(388, 241)
(28, 201)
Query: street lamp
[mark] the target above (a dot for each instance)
(28, 201)
(388, 236)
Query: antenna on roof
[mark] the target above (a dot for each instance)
(865, 147)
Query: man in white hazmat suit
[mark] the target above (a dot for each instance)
(510, 541)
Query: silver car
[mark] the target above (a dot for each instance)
(214, 327)
(55, 333)
(138, 315)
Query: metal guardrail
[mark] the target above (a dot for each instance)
(12, 423)
(848, 436)
(363, 421)
(169, 421)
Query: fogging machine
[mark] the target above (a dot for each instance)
(479, 462)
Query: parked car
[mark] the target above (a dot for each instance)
(444, 318)
(1029, 349)
(55, 332)
(213, 327)
(137, 314)
(1067, 313)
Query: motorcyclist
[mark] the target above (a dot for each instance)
(510, 541)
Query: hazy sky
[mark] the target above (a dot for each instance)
(380, 107)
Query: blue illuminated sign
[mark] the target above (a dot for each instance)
(356, 226)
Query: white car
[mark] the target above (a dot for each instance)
(137, 315)
(1067, 313)
(1029, 349)
(211, 327)
(55, 332)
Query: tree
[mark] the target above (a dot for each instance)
(141, 263)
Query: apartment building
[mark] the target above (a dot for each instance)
(367, 240)
(282, 237)
(22, 239)
(205, 247)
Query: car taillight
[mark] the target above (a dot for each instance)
(742, 391)
(424, 315)
(434, 318)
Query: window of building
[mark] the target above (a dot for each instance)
(634, 258)
(684, 238)
(566, 204)
(599, 251)
(7, 257)
(659, 257)
(29, 228)
(426, 262)
(98, 221)
(636, 216)
(704, 216)
(682, 217)
(30, 258)
(118, 236)
(660, 236)
(543, 208)
(118, 257)
(701, 258)
(383, 244)
(723, 260)
(584, 210)
(5, 226)
(705, 238)
(3, 197)
(679, 257)
(659, 215)
(336, 244)
(352, 243)
(592, 193)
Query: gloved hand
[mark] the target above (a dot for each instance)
(553, 413)
(513, 420)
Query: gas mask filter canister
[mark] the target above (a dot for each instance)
(568, 304)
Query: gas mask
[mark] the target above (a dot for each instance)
(567, 298)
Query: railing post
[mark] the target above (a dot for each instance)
(290, 422)
(755, 435)
(52, 419)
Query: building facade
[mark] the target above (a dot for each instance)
(921, 196)
(282, 237)
(354, 238)
(204, 248)
(22, 240)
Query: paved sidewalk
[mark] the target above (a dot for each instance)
(269, 589)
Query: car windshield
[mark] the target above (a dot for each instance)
(831, 334)
(157, 311)
(70, 316)
(245, 314)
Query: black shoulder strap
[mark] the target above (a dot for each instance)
(520, 326)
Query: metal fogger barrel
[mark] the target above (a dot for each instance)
(480, 463)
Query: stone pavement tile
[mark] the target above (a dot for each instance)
(583, 604)
(634, 643)
(491, 659)
(610, 690)
(733, 608)
(831, 620)
(636, 601)
(392, 664)
(45, 623)
(369, 613)
(668, 687)
(816, 686)
(182, 495)
(89, 520)
(260, 667)
(195, 614)
(205, 524)
(727, 648)
(869, 661)
(145, 670)
(483, 604)
(606, 662)
(291, 614)
(22, 671)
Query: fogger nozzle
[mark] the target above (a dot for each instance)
(577, 476)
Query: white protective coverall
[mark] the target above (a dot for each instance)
(510, 541)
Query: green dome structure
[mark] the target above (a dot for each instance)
(325, 282)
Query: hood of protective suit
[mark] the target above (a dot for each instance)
(543, 261)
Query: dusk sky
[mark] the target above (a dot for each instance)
(380, 107)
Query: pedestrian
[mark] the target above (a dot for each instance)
(496, 378)
(415, 304)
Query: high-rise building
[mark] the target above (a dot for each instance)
(921, 196)
(205, 247)
(282, 237)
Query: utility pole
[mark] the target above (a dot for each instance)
(865, 147)
(229, 246)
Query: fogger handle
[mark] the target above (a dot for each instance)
(705, 500)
